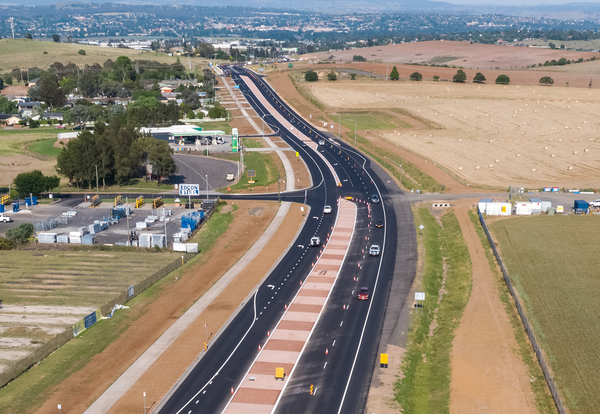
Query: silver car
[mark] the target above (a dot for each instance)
(374, 250)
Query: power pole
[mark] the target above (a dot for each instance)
(97, 191)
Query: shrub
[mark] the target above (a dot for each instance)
(353, 76)
(416, 76)
(81, 52)
(332, 76)
(436, 78)
(21, 234)
(311, 76)
(358, 58)
(546, 80)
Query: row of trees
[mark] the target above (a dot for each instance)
(117, 151)
(460, 77)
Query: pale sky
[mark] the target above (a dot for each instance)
(518, 2)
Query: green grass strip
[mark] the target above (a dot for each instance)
(45, 147)
(425, 387)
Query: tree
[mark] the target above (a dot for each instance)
(49, 90)
(394, 75)
(160, 156)
(1, 83)
(21, 234)
(311, 76)
(67, 85)
(551, 45)
(546, 80)
(205, 50)
(416, 76)
(214, 113)
(81, 52)
(436, 78)
(460, 76)
(7, 78)
(56, 38)
(34, 182)
(332, 76)
(562, 61)
(190, 99)
(28, 36)
(503, 79)
(89, 84)
(358, 58)
(353, 76)
(479, 78)
(8, 107)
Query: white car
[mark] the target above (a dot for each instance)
(321, 142)
(4, 218)
(595, 203)
(327, 210)
(315, 241)
(374, 250)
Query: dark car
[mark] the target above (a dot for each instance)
(379, 223)
(304, 145)
(364, 293)
(375, 198)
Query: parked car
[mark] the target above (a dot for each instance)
(60, 127)
(379, 224)
(315, 241)
(4, 218)
(595, 203)
(375, 199)
(374, 250)
(230, 177)
(327, 209)
(364, 294)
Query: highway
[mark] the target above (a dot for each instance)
(349, 329)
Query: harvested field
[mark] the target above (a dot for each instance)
(460, 54)
(553, 263)
(493, 135)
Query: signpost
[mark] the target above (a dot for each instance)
(251, 175)
(189, 190)
(420, 297)
(234, 140)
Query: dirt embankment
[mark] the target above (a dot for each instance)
(155, 317)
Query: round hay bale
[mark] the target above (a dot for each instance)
(465, 117)
(435, 114)
(545, 148)
(552, 155)
(533, 170)
(460, 140)
(414, 136)
(525, 104)
(477, 107)
(497, 132)
(575, 152)
(524, 123)
(491, 166)
(418, 110)
(491, 140)
(518, 155)
(560, 140)
(591, 139)
(491, 120)
(583, 122)
(459, 168)
(535, 110)
(569, 168)
(519, 110)
(497, 161)
(544, 107)
(524, 132)
(450, 115)
(586, 150)
(575, 140)
(477, 167)
(430, 136)
(578, 127)
(514, 116)
(566, 127)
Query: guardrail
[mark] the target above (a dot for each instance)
(528, 328)
(62, 338)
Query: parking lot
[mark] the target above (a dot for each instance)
(85, 215)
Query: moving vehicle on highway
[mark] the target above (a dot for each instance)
(4, 218)
(364, 294)
(375, 199)
(374, 250)
(321, 142)
(327, 209)
(315, 241)
(379, 224)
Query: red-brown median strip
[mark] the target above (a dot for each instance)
(260, 390)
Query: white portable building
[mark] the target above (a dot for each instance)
(498, 209)
(536, 205)
(483, 204)
(546, 205)
(523, 209)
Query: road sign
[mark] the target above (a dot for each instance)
(189, 189)
(419, 295)
(251, 173)
(421, 227)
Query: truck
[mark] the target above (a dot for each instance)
(580, 206)
(4, 218)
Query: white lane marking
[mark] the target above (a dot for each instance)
(227, 360)
(333, 343)
(362, 334)
(341, 323)
(323, 368)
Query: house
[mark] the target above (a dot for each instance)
(34, 82)
(57, 116)
(166, 89)
(13, 92)
(10, 119)
(169, 96)
(27, 109)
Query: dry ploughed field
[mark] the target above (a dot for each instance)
(553, 263)
(493, 135)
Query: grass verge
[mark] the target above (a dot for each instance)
(543, 399)
(262, 163)
(369, 120)
(45, 147)
(15, 397)
(425, 386)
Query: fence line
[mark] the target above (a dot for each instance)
(530, 333)
(62, 338)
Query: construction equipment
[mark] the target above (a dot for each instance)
(95, 201)
(118, 200)
(158, 201)
(4, 199)
(139, 202)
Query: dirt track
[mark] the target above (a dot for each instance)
(487, 373)
(83, 387)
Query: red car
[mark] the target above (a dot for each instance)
(364, 293)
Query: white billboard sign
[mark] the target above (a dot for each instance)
(189, 189)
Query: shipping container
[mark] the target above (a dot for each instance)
(581, 204)
(88, 239)
(158, 240)
(483, 203)
(545, 206)
(62, 238)
(75, 239)
(523, 209)
(498, 209)
(145, 240)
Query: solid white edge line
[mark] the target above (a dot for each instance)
(325, 304)
(374, 289)
(227, 360)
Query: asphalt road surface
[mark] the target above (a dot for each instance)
(342, 386)
(197, 170)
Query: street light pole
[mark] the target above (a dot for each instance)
(340, 126)
(278, 187)
(354, 130)
(206, 178)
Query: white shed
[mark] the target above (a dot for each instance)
(523, 209)
(483, 204)
(498, 209)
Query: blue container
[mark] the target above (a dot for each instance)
(1, 208)
(581, 205)
(29, 201)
